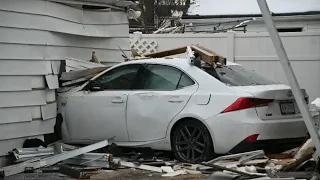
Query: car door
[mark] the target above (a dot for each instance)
(100, 113)
(163, 93)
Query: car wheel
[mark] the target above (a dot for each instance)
(191, 142)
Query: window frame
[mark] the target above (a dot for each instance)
(133, 85)
(143, 75)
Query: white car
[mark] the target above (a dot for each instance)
(170, 104)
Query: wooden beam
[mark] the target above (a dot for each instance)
(205, 56)
(209, 54)
(168, 52)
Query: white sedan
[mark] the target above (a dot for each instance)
(170, 104)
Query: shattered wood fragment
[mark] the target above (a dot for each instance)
(279, 156)
(306, 148)
(76, 173)
(257, 162)
(176, 173)
(233, 170)
(167, 169)
(138, 166)
(72, 75)
(296, 162)
(234, 156)
(245, 159)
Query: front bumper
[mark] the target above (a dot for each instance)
(269, 146)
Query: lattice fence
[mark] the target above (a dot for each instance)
(142, 45)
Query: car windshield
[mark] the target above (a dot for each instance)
(236, 75)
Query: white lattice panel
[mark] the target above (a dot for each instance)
(142, 45)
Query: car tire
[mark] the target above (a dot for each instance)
(191, 142)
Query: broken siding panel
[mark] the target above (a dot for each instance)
(52, 81)
(15, 114)
(23, 129)
(55, 66)
(49, 111)
(23, 98)
(50, 96)
(36, 113)
(24, 67)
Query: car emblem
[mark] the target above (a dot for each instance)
(289, 94)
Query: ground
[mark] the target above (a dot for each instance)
(120, 174)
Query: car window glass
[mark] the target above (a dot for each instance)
(235, 75)
(119, 78)
(185, 81)
(160, 77)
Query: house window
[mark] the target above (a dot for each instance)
(299, 29)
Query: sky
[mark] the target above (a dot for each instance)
(218, 7)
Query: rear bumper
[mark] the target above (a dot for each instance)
(269, 146)
(229, 131)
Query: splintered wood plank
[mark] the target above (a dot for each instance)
(205, 56)
(168, 52)
(207, 52)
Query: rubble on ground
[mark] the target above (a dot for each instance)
(84, 162)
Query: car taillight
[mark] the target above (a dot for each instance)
(245, 103)
(253, 137)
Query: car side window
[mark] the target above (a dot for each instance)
(161, 77)
(120, 78)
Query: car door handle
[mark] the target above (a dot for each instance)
(117, 100)
(175, 100)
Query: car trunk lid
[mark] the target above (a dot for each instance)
(283, 105)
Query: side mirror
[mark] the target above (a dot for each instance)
(94, 86)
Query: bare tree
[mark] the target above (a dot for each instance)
(158, 12)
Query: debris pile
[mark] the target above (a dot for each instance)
(82, 162)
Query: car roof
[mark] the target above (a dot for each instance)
(179, 62)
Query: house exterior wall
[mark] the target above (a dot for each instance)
(256, 51)
(35, 36)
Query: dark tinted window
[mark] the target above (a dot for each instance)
(120, 78)
(235, 75)
(160, 77)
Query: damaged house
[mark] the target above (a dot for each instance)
(35, 37)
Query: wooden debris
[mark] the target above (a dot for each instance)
(279, 156)
(79, 173)
(257, 162)
(176, 173)
(138, 166)
(306, 148)
(233, 170)
(167, 169)
(296, 162)
(72, 75)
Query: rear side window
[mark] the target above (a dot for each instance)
(161, 77)
(235, 75)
